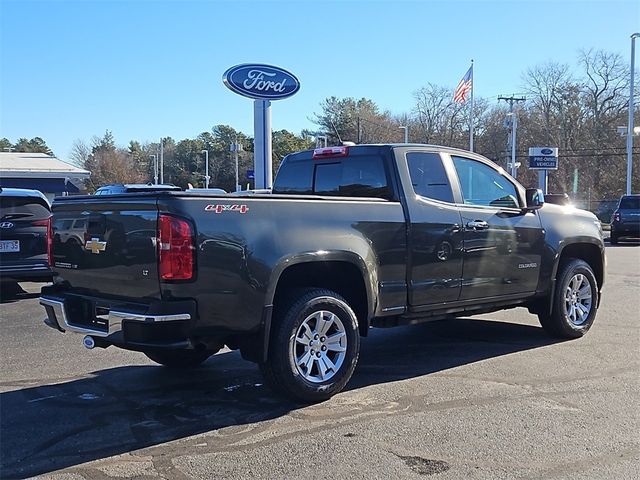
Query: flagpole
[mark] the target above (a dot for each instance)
(471, 111)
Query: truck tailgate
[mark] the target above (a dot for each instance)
(106, 245)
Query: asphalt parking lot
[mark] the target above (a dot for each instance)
(488, 397)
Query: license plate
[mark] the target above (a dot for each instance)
(9, 246)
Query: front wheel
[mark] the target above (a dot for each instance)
(575, 301)
(179, 358)
(314, 346)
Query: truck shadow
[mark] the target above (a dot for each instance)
(10, 293)
(118, 410)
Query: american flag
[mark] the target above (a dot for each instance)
(464, 87)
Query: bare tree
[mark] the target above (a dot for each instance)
(606, 82)
(435, 112)
(80, 152)
(545, 85)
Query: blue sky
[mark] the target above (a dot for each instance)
(145, 69)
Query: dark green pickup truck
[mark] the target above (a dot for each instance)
(349, 238)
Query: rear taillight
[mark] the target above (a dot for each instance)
(40, 223)
(330, 152)
(175, 248)
(50, 240)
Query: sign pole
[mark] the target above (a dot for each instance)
(543, 181)
(262, 143)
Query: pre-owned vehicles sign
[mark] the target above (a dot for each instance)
(543, 158)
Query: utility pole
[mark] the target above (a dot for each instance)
(514, 126)
(359, 136)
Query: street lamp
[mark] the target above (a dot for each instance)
(235, 148)
(630, 123)
(206, 168)
(406, 133)
(321, 138)
(155, 168)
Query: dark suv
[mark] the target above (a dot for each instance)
(625, 221)
(117, 188)
(24, 217)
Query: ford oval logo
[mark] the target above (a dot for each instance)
(6, 225)
(546, 151)
(260, 81)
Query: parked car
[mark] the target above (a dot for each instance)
(348, 238)
(625, 221)
(24, 226)
(557, 198)
(116, 188)
(70, 230)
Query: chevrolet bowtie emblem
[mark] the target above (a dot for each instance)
(95, 245)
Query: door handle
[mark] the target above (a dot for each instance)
(478, 225)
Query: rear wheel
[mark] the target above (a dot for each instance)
(575, 301)
(314, 346)
(179, 358)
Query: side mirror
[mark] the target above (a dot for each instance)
(534, 198)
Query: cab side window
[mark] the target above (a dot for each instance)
(428, 176)
(483, 185)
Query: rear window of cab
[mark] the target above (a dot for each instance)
(350, 176)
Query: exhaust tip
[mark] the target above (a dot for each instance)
(89, 342)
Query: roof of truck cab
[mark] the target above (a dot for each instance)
(399, 145)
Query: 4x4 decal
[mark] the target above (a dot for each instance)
(226, 208)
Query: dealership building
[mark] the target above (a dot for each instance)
(39, 171)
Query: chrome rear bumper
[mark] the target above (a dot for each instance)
(57, 317)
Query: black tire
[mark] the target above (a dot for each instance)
(613, 239)
(558, 324)
(179, 358)
(280, 370)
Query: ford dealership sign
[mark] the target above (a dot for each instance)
(259, 81)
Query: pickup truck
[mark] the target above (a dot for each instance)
(349, 238)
